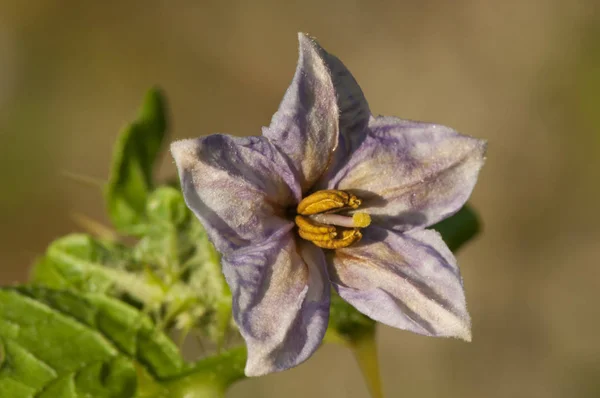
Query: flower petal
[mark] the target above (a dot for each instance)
(237, 187)
(280, 301)
(353, 108)
(409, 281)
(411, 174)
(305, 127)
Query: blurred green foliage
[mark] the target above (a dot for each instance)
(135, 153)
(95, 318)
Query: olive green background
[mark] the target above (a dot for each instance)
(524, 75)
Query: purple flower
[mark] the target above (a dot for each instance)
(331, 195)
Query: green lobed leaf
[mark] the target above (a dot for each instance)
(173, 271)
(60, 344)
(180, 257)
(81, 263)
(135, 153)
(68, 263)
(206, 278)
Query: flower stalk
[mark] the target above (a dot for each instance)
(365, 352)
(210, 377)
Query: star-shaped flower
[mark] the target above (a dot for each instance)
(330, 195)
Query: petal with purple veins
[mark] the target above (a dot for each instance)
(352, 104)
(411, 174)
(354, 112)
(409, 281)
(238, 188)
(280, 301)
(305, 126)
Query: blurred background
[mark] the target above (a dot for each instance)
(524, 75)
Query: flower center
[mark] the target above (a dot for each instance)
(318, 223)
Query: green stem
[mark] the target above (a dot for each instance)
(365, 352)
(210, 377)
(364, 348)
(196, 386)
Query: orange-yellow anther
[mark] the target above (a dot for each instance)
(327, 201)
(316, 237)
(331, 231)
(348, 238)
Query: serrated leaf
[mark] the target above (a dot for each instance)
(64, 265)
(176, 244)
(198, 298)
(206, 277)
(82, 263)
(134, 156)
(59, 344)
(164, 243)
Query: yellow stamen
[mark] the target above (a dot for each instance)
(354, 202)
(308, 225)
(327, 200)
(316, 237)
(348, 238)
(361, 220)
(331, 231)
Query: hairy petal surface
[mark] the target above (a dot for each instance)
(305, 127)
(411, 174)
(354, 113)
(409, 281)
(237, 187)
(280, 301)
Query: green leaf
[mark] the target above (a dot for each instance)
(166, 206)
(134, 156)
(176, 246)
(64, 265)
(59, 344)
(459, 228)
(165, 242)
(206, 277)
(81, 263)
(173, 272)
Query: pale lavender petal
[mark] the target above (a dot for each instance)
(409, 281)
(239, 188)
(305, 127)
(354, 112)
(280, 301)
(411, 174)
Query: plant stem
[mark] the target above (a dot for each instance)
(365, 352)
(210, 377)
